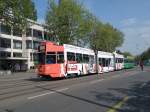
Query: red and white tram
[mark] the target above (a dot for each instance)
(61, 61)
(106, 61)
(119, 61)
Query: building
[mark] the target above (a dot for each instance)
(19, 51)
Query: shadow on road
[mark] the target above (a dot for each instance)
(138, 93)
(40, 79)
(86, 100)
(139, 97)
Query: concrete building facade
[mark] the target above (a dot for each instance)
(19, 51)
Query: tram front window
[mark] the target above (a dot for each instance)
(51, 59)
(41, 58)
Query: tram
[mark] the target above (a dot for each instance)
(119, 61)
(129, 62)
(57, 61)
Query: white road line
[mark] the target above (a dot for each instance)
(48, 93)
(62, 89)
(32, 97)
(96, 81)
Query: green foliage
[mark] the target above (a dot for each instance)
(143, 56)
(146, 54)
(127, 54)
(69, 22)
(105, 37)
(16, 12)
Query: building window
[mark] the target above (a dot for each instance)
(17, 54)
(29, 32)
(35, 45)
(5, 43)
(45, 36)
(17, 32)
(5, 54)
(37, 34)
(17, 44)
(28, 44)
(5, 29)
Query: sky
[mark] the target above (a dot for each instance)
(131, 17)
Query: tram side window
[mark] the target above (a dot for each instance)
(51, 58)
(79, 58)
(70, 56)
(103, 62)
(120, 60)
(107, 62)
(60, 57)
(116, 60)
(85, 58)
(100, 61)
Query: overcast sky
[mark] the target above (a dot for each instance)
(132, 17)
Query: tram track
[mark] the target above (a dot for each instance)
(26, 87)
(40, 87)
(18, 83)
(20, 93)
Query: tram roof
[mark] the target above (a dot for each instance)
(76, 49)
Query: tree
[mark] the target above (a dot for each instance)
(105, 37)
(68, 21)
(126, 54)
(146, 54)
(16, 12)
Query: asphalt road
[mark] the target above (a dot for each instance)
(123, 91)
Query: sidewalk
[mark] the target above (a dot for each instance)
(17, 75)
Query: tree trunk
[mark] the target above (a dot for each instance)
(96, 60)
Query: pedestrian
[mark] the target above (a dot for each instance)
(142, 65)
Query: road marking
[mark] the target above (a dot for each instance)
(64, 89)
(96, 81)
(118, 105)
(48, 93)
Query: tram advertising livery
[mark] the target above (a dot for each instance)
(65, 60)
